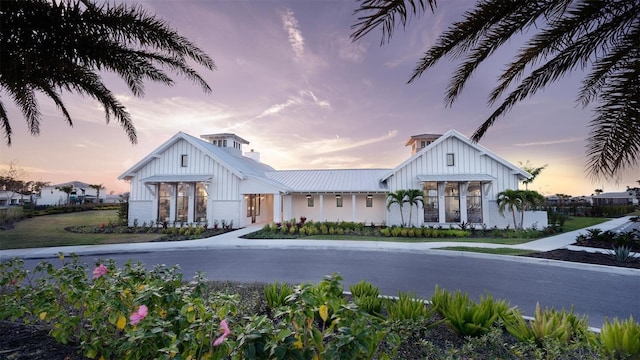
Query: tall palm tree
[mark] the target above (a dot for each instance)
(397, 197)
(413, 197)
(566, 35)
(534, 171)
(97, 187)
(512, 200)
(67, 189)
(55, 46)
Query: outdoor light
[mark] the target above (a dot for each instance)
(308, 196)
(338, 196)
(369, 196)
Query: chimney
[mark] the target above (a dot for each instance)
(253, 155)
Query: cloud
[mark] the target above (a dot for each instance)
(337, 143)
(550, 142)
(354, 52)
(295, 36)
(299, 99)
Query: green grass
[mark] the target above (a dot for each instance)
(503, 241)
(496, 251)
(575, 223)
(45, 231)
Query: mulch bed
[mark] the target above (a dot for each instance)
(586, 257)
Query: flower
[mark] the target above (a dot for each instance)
(224, 328)
(138, 315)
(99, 271)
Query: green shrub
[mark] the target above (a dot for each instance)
(276, 294)
(364, 288)
(621, 339)
(466, 317)
(548, 325)
(407, 307)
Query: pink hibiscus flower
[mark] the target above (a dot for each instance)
(99, 271)
(138, 315)
(224, 328)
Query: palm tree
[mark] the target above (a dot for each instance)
(397, 197)
(534, 171)
(98, 187)
(512, 200)
(530, 198)
(67, 189)
(413, 197)
(566, 35)
(53, 46)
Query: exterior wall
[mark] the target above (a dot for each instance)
(52, 196)
(224, 187)
(353, 208)
(537, 219)
(225, 210)
(141, 211)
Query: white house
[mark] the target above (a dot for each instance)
(81, 193)
(191, 180)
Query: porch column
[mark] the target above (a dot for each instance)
(191, 213)
(486, 189)
(441, 210)
(286, 207)
(277, 207)
(464, 186)
(321, 196)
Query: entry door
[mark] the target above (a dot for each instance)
(253, 207)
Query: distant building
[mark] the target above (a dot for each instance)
(81, 193)
(191, 180)
(615, 198)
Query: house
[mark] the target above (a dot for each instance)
(11, 198)
(80, 193)
(209, 179)
(615, 198)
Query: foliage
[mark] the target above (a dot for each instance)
(65, 45)
(563, 36)
(467, 317)
(397, 197)
(622, 254)
(407, 307)
(547, 324)
(621, 339)
(364, 288)
(277, 293)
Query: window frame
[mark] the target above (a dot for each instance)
(184, 160)
(451, 159)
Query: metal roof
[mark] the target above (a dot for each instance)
(333, 180)
(455, 177)
(176, 178)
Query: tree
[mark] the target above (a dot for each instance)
(567, 35)
(67, 189)
(413, 197)
(98, 187)
(512, 200)
(53, 46)
(11, 180)
(534, 171)
(397, 197)
(598, 191)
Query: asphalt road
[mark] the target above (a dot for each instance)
(594, 292)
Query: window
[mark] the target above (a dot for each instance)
(184, 160)
(201, 203)
(253, 205)
(338, 200)
(164, 202)
(182, 202)
(450, 160)
(224, 143)
(474, 202)
(309, 201)
(452, 202)
(423, 143)
(369, 201)
(430, 200)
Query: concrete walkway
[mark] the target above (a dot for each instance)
(232, 240)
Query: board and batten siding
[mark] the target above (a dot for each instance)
(467, 160)
(224, 184)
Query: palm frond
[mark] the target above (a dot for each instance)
(386, 14)
(4, 123)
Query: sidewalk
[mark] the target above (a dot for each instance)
(232, 240)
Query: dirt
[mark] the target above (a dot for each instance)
(19, 341)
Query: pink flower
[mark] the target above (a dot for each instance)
(224, 328)
(99, 271)
(138, 315)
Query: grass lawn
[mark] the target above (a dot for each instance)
(493, 240)
(575, 223)
(45, 231)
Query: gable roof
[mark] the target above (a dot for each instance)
(455, 134)
(239, 165)
(332, 180)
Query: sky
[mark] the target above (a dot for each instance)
(290, 81)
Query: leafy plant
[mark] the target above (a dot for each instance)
(364, 288)
(621, 339)
(622, 254)
(407, 307)
(277, 293)
(548, 325)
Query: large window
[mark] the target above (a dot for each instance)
(164, 202)
(431, 212)
(182, 202)
(474, 202)
(452, 202)
(201, 203)
(253, 205)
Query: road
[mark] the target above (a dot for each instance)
(525, 282)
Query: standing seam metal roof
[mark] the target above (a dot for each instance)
(333, 180)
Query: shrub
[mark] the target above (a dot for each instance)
(622, 254)
(364, 288)
(407, 307)
(276, 294)
(621, 339)
(548, 325)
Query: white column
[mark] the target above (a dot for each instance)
(441, 210)
(286, 207)
(321, 207)
(353, 207)
(277, 207)
(464, 186)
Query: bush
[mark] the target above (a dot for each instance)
(621, 339)
(407, 307)
(548, 325)
(276, 294)
(364, 288)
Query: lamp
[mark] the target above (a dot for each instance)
(369, 196)
(308, 196)
(338, 196)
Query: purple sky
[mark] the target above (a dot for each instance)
(290, 81)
